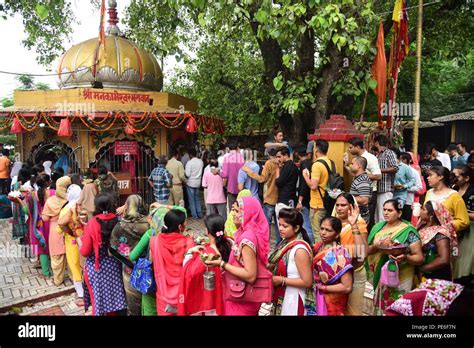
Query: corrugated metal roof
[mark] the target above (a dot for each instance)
(463, 116)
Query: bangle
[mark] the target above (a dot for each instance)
(283, 281)
(222, 265)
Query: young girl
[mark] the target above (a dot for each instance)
(102, 273)
(332, 264)
(167, 252)
(291, 265)
(194, 298)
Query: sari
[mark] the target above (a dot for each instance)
(403, 233)
(278, 263)
(37, 227)
(229, 227)
(254, 233)
(194, 299)
(330, 265)
(19, 225)
(125, 236)
(429, 236)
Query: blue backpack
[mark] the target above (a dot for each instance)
(142, 277)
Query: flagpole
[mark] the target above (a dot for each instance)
(419, 41)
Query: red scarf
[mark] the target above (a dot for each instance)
(195, 299)
(167, 250)
(94, 230)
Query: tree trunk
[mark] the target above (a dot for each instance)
(330, 73)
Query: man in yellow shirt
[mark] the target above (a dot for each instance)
(317, 181)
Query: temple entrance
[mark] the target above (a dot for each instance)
(60, 154)
(131, 162)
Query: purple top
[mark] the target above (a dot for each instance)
(230, 170)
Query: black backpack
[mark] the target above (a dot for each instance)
(335, 182)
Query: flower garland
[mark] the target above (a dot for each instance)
(30, 121)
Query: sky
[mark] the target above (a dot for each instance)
(17, 58)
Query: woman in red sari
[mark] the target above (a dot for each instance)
(194, 298)
(167, 252)
(332, 265)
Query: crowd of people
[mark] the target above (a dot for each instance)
(284, 233)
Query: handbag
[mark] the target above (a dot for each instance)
(142, 277)
(237, 290)
(389, 274)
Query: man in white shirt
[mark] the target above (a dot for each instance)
(193, 172)
(356, 148)
(442, 157)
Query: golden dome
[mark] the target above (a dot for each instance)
(122, 64)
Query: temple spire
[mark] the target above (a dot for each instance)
(113, 29)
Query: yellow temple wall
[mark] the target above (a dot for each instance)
(91, 142)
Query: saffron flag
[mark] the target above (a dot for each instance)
(379, 73)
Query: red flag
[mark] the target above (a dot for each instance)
(379, 73)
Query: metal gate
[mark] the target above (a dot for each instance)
(59, 153)
(140, 167)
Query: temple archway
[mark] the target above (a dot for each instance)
(59, 153)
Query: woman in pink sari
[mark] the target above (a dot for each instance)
(250, 251)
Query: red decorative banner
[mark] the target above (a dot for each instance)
(126, 148)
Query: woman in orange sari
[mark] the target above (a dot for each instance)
(333, 266)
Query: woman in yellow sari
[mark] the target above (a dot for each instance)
(392, 231)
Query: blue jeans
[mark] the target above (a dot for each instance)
(269, 211)
(194, 202)
(307, 224)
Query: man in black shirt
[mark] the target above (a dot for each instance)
(286, 177)
(304, 192)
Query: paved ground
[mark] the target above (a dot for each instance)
(24, 291)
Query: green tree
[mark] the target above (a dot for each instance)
(46, 23)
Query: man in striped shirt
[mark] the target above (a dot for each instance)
(361, 187)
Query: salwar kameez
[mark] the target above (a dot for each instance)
(103, 289)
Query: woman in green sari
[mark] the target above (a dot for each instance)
(383, 235)
(156, 216)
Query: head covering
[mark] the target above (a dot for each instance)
(55, 203)
(94, 229)
(432, 298)
(229, 226)
(254, 227)
(47, 167)
(73, 193)
(86, 200)
(416, 163)
(15, 169)
(445, 227)
(157, 216)
(132, 208)
(61, 186)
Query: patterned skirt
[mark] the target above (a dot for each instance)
(103, 289)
